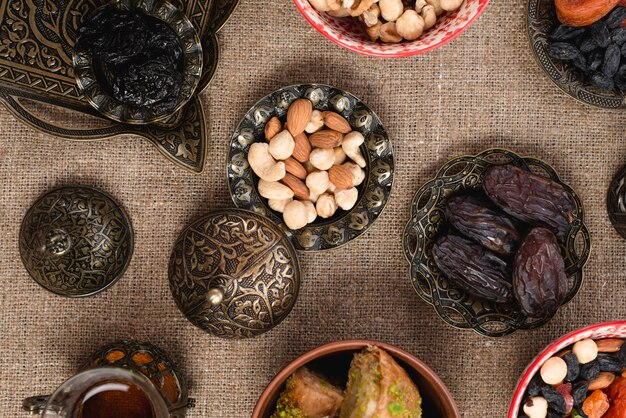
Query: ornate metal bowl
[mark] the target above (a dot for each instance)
(373, 192)
(76, 241)
(541, 19)
(89, 86)
(427, 223)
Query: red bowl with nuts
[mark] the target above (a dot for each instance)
(385, 28)
(600, 347)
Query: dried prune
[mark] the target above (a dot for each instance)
(600, 34)
(598, 79)
(529, 197)
(473, 268)
(539, 280)
(555, 400)
(611, 60)
(590, 370)
(573, 367)
(474, 218)
(579, 392)
(609, 363)
(563, 51)
(564, 32)
(615, 18)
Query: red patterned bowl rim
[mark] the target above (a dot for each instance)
(401, 54)
(615, 329)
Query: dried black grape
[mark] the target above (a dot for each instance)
(573, 367)
(556, 401)
(600, 34)
(535, 385)
(623, 50)
(590, 370)
(563, 51)
(621, 355)
(620, 78)
(618, 36)
(611, 60)
(139, 58)
(609, 363)
(564, 32)
(600, 80)
(616, 17)
(581, 63)
(595, 60)
(553, 414)
(579, 392)
(588, 45)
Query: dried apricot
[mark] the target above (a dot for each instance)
(617, 390)
(596, 404)
(617, 410)
(583, 12)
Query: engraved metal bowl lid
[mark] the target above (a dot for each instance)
(616, 202)
(234, 273)
(76, 241)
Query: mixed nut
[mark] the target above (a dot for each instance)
(302, 176)
(587, 380)
(505, 259)
(390, 21)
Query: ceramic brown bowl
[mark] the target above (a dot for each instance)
(333, 360)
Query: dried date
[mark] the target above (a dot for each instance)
(473, 268)
(474, 218)
(539, 279)
(528, 197)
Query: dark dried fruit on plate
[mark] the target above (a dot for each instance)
(556, 401)
(600, 80)
(609, 363)
(475, 219)
(539, 280)
(573, 367)
(529, 197)
(616, 17)
(473, 268)
(564, 32)
(579, 392)
(600, 34)
(590, 370)
(563, 51)
(612, 58)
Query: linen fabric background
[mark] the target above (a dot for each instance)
(482, 90)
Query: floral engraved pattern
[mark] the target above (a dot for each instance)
(374, 192)
(76, 241)
(248, 259)
(426, 224)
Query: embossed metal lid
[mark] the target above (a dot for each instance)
(76, 241)
(234, 273)
(616, 202)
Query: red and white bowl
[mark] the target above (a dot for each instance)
(615, 329)
(348, 32)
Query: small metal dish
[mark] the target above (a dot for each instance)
(541, 19)
(344, 226)
(428, 222)
(85, 72)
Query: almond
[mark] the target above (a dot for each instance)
(326, 138)
(603, 381)
(294, 167)
(299, 188)
(341, 177)
(303, 148)
(299, 115)
(336, 122)
(609, 345)
(272, 127)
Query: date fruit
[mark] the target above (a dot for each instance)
(473, 268)
(539, 280)
(476, 220)
(529, 197)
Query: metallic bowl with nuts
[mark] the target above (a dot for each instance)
(391, 28)
(316, 160)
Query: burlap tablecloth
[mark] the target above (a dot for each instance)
(480, 91)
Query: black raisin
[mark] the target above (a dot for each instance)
(563, 51)
(588, 45)
(553, 414)
(579, 392)
(564, 32)
(600, 34)
(621, 354)
(534, 386)
(590, 370)
(581, 63)
(609, 363)
(618, 36)
(616, 17)
(600, 80)
(611, 60)
(573, 367)
(620, 82)
(556, 401)
(595, 60)
(623, 50)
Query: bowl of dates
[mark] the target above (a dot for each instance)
(136, 61)
(496, 242)
(581, 46)
(348, 378)
(581, 375)
(391, 28)
(316, 160)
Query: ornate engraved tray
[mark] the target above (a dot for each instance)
(541, 19)
(428, 222)
(36, 43)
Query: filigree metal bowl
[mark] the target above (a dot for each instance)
(374, 192)
(428, 222)
(101, 100)
(541, 19)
